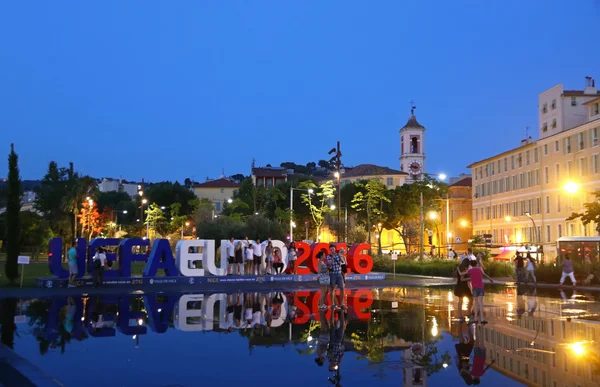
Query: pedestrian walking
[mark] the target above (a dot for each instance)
(567, 271)
(530, 268)
(99, 263)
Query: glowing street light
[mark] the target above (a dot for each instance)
(507, 218)
(162, 207)
(144, 201)
(332, 207)
(229, 200)
(310, 190)
(336, 174)
(442, 176)
(571, 187)
(577, 349)
(432, 215)
(464, 223)
(141, 193)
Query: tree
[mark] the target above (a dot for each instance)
(13, 208)
(324, 164)
(155, 220)
(167, 193)
(590, 214)
(318, 201)
(372, 202)
(405, 209)
(51, 198)
(90, 219)
(188, 183)
(204, 211)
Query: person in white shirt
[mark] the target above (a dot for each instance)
(229, 248)
(258, 252)
(99, 262)
(451, 254)
(250, 258)
(470, 255)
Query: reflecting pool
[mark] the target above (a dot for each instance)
(390, 336)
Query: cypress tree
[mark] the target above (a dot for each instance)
(13, 208)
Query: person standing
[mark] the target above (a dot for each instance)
(476, 275)
(567, 271)
(451, 254)
(291, 257)
(239, 257)
(520, 265)
(230, 251)
(335, 276)
(344, 263)
(530, 269)
(99, 263)
(258, 252)
(73, 270)
(323, 280)
(269, 258)
(461, 289)
(470, 255)
(250, 258)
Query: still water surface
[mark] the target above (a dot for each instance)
(391, 337)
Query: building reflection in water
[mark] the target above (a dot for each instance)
(542, 339)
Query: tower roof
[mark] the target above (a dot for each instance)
(413, 123)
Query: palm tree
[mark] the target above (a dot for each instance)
(78, 189)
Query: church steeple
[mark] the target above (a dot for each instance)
(412, 147)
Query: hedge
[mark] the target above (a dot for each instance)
(436, 267)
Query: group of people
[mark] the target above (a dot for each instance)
(99, 260)
(469, 283)
(251, 255)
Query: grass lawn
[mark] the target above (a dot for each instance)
(37, 270)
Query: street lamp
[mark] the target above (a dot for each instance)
(571, 187)
(144, 201)
(229, 200)
(332, 207)
(442, 176)
(535, 233)
(186, 225)
(292, 189)
(464, 223)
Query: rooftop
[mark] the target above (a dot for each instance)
(370, 170)
(270, 172)
(466, 182)
(578, 93)
(219, 183)
(412, 123)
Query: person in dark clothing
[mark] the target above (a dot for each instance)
(461, 289)
(520, 264)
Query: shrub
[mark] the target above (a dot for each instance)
(435, 267)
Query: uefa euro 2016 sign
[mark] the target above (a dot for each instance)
(187, 252)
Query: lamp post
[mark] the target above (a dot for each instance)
(535, 233)
(442, 177)
(292, 189)
(89, 214)
(339, 203)
(117, 217)
(433, 216)
(144, 201)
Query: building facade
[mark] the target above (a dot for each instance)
(270, 176)
(525, 195)
(412, 148)
(457, 215)
(217, 191)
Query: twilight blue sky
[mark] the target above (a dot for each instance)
(174, 89)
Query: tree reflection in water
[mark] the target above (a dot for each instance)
(8, 310)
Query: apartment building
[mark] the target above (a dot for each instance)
(457, 214)
(526, 194)
(217, 191)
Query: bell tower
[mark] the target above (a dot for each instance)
(412, 148)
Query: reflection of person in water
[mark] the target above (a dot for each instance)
(97, 314)
(233, 318)
(70, 315)
(463, 353)
(336, 343)
(479, 358)
(323, 340)
(532, 301)
(520, 301)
